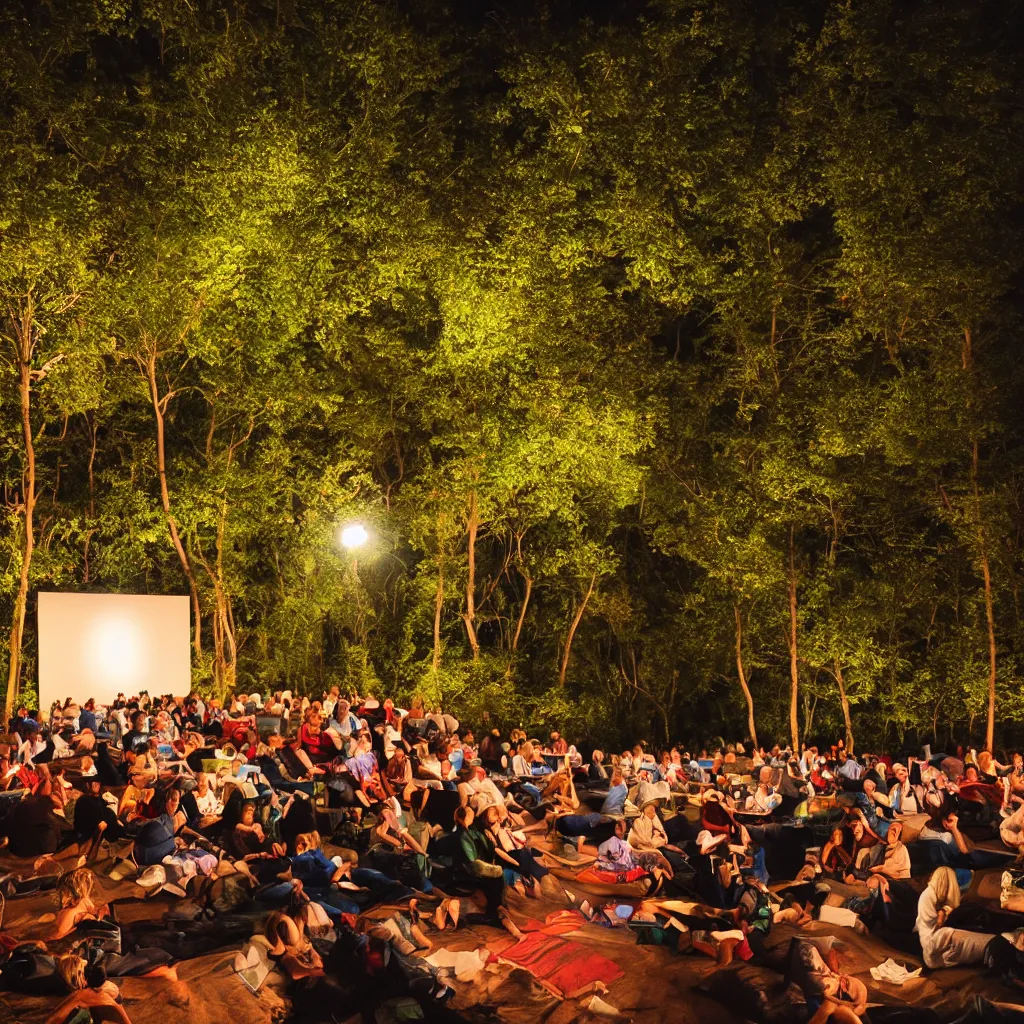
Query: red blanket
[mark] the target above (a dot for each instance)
(560, 965)
(593, 874)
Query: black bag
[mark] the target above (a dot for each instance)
(101, 935)
(32, 971)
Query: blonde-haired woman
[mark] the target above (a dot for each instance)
(74, 896)
(99, 998)
(941, 945)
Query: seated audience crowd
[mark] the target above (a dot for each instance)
(347, 832)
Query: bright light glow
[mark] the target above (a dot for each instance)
(113, 650)
(354, 536)
(94, 645)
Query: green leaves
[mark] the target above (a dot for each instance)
(583, 324)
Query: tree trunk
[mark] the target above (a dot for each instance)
(227, 619)
(567, 649)
(794, 668)
(469, 616)
(844, 701)
(522, 611)
(986, 576)
(986, 570)
(438, 603)
(23, 346)
(741, 672)
(93, 431)
(165, 499)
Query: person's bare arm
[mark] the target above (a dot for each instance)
(954, 831)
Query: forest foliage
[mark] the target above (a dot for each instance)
(670, 351)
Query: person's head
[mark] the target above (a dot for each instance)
(618, 779)
(900, 772)
(202, 784)
(306, 841)
(23, 711)
(837, 837)
(555, 737)
(946, 888)
(172, 800)
(71, 968)
(75, 886)
(138, 720)
(597, 756)
(985, 761)
(31, 733)
(895, 832)
(1017, 760)
(650, 810)
(313, 720)
(93, 786)
(971, 774)
(464, 816)
(399, 755)
(90, 704)
(248, 813)
(492, 816)
(845, 988)
(869, 788)
(621, 828)
(857, 829)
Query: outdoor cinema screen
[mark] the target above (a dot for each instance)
(97, 645)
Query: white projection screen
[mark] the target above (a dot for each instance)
(97, 645)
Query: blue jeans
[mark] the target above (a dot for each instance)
(334, 902)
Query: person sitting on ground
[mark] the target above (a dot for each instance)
(902, 796)
(249, 842)
(597, 773)
(95, 819)
(31, 747)
(33, 826)
(158, 838)
(1011, 830)
(837, 854)
(511, 850)
(208, 803)
(74, 895)
(648, 836)
(764, 799)
(319, 745)
(90, 991)
(558, 745)
(941, 945)
(476, 869)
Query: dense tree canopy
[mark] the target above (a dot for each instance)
(670, 351)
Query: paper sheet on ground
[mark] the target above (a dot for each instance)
(467, 964)
(893, 972)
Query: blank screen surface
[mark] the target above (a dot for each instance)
(99, 645)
